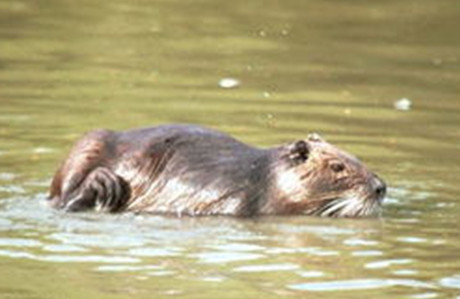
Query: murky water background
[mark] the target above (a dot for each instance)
(334, 67)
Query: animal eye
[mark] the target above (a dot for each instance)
(337, 167)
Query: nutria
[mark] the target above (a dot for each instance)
(191, 170)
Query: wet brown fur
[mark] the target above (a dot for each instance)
(190, 170)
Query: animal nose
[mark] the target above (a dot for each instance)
(379, 187)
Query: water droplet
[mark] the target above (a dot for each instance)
(229, 83)
(403, 104)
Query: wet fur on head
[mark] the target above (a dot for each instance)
(319, 179)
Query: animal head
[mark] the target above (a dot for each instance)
(320, 179)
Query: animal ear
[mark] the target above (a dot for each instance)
(315, 137)
(300, 151)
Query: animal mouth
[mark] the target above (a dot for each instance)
(349, 206)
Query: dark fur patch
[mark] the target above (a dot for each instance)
(300, 152)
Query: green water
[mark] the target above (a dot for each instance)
(333, 67)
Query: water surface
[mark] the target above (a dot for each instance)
(333, 67)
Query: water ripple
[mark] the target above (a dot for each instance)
(387, 263)
(226, 257)
(451, 282)
(97, 240)
(155, 252)
(127, 268)
(267, 268)
(358, 284)
(17, 242)
(69, 258)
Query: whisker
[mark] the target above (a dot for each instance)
(336, 206)
(349, 206)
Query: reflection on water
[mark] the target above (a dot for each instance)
(279, 255)
(378, 79)
(359, 284)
